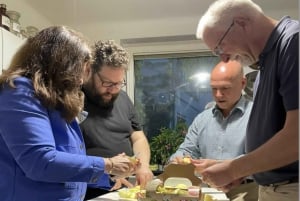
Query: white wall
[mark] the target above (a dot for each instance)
(138, 28)
(122, 29)
(29, 16)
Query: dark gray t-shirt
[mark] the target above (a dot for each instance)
(277, 93)
(107, 132)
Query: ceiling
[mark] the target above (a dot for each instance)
(91, 15)
(82, 11)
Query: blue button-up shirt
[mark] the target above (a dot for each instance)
(215, 137)
(42, 157)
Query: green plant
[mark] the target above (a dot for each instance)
(166, 143)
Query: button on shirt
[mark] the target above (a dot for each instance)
(215, 137)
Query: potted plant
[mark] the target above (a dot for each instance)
(166, 143)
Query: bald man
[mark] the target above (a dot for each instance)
(218, 133)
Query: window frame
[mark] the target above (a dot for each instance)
(159, 48)
(162, 48)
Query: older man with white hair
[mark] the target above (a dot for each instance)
(239, 30)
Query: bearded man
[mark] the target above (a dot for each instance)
(112, 125)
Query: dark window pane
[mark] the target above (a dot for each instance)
(171, 89)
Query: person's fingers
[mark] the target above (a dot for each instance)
(205, 178)
(126, 183)
(226, 188)
(117, 185)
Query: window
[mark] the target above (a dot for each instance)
(171, 88)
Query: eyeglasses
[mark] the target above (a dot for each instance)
(108, 84)
(218, 50)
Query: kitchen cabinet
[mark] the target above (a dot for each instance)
(9, 44)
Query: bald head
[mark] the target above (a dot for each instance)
(230, 70)
(227, 82)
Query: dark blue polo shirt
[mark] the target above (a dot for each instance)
(277, 93)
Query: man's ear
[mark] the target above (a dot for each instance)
(87, 72)
(244, 82)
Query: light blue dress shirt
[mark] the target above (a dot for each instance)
(42, 157)
(215, 137)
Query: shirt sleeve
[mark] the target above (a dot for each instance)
(29, 138)
(289, 73)
(133, 116)
(190, 147)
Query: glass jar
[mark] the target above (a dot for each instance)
(14, 17)
(4, 19)
(31, 31)
(23, 33)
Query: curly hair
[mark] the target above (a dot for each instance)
(54, 60)
(110, 54)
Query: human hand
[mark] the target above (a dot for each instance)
(219, 175)
(121, 166)
(143, 175)
(135, 161)
(201, 164)
(230, 186)
(119, 183)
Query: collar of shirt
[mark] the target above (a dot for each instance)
(273, 39)
(239, 106)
